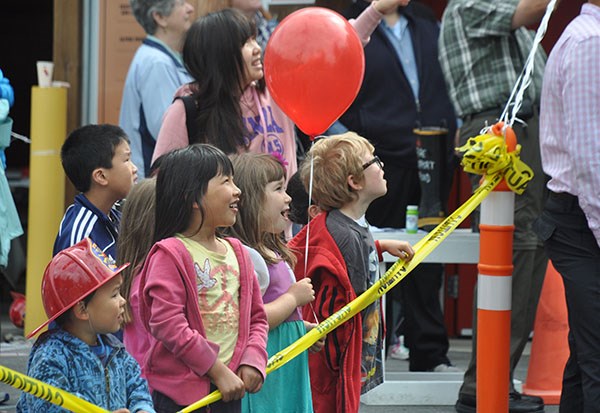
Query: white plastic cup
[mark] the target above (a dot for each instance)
(44, 72)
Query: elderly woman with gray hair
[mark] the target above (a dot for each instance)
(154, 75)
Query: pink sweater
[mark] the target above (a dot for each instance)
(179, 354)
(272, 130)
(135, 337)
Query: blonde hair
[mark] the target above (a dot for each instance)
(334, 159)
(252, 173)
(136, 233)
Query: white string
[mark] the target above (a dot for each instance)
(310, 188)
(310, 185)
(524, 79)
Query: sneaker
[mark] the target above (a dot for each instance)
(398, 351)
(446, 368)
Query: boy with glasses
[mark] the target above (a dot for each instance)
(342, 262)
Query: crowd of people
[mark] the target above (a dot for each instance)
(193, 282)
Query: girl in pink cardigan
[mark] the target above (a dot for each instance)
(199, 298)
(234, 109)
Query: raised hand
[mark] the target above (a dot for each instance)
(388, 6)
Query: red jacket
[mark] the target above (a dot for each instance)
(335, 371)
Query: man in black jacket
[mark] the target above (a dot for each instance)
(403, 91)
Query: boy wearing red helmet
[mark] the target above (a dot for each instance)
(80, 292)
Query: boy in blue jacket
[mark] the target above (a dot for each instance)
(80, 291)
(97, 160)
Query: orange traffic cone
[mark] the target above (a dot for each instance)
(550, 347)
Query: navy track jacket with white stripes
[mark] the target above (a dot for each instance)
(83, 219)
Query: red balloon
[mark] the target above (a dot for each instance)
(314, 66)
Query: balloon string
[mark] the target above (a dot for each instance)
(310, 185)
(524, 79)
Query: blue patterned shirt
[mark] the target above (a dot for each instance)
(64, 361)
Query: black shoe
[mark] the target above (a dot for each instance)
(515, 395)
(467, 404)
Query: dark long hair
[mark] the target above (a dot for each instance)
(212, 54)
(182, 179)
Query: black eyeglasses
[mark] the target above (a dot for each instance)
(372, 161)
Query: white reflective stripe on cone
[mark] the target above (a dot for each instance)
(494, 292)
(498, 208)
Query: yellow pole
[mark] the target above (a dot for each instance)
(46, 191)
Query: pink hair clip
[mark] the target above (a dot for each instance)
(280, 159)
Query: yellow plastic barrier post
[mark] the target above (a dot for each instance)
(46, 191)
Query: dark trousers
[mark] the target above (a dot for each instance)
(529, 270)
(424, 329)
(164, 404)
(529, 258)
(574, 251)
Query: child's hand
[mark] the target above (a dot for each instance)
(318, 346)
(397, 248)
(388, 6)
(251, 377)
(228, 383)
(302, 291)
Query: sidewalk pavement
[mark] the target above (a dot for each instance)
(14, 356)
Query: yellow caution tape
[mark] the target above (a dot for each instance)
(393, 276)
(488, 154)
(47, 392)
(484, 155)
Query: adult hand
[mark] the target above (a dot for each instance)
(388, 6)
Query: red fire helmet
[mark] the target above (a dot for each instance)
(72, 275)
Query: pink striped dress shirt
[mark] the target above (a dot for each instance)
(570, 114)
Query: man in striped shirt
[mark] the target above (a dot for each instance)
(483, 48)
(97, 160)
(570, 224)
